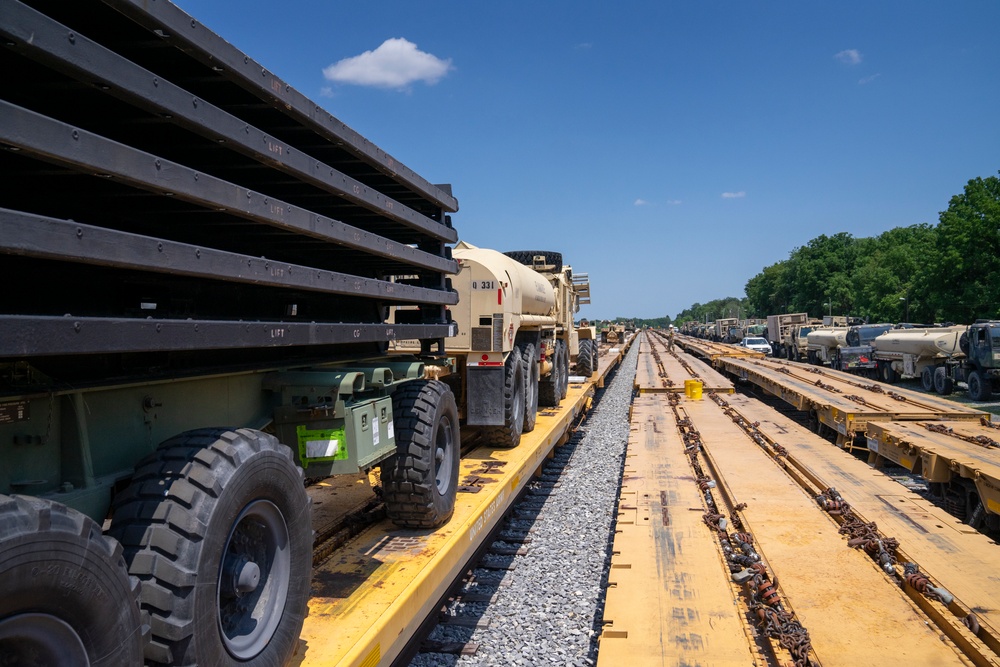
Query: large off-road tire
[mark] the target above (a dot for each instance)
(66, 597)
(527, 257)
(509, 434)
(943, 383)
(596, 355)
(421, 481)
(585, 359)
(980, 386)
(548, 387)
(927, 378)
(216, 524)
(530, 357)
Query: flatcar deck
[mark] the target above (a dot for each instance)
(711, 350)
(941, 450)
(762, 473)
(844, 402)
(661, 370)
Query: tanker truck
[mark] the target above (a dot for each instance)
(857, 354)
(915, 352)
(824, 343)
(516, 338)
(943, 356)
(198, 262)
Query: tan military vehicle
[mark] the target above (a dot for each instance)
(516, 338)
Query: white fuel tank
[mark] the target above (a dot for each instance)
(828, 337)
(934, 342)
(497, 283)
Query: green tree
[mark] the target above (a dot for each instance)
(768, 292)
(964, 275)
(891, 278)
(820, 272)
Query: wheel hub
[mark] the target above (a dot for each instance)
(442, 462)
(253, 579)
(240, 576)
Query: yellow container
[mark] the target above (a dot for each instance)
(695, 390)
(687, 387)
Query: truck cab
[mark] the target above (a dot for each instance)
(982, 349)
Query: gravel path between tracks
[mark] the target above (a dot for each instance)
(547, 609)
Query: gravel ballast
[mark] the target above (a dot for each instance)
(546, 608)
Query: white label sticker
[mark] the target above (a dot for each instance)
(484, 285)
(390, 430)
(318, 449)
(375, 433)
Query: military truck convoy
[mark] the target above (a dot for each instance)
(939, 356)
(200, 262)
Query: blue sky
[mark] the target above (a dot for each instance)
(669, 149)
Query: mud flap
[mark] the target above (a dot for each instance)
(485, 396)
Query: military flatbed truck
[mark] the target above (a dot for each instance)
(197, 264)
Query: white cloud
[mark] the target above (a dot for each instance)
(734, 195)
(326, 91)
(395, 64)
(641, 202)
(849, 57)
(674, 202)
(868, 79)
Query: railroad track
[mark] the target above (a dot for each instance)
(452, 630)
(542, 558)
(727, 501)
(663, 370)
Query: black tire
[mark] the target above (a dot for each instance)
(887, 373)
(509, 434)
(530, 357)
(548, 387)
(66, 597)
(585, 359)
(927, 378)
(943, 383)
(563, 354)
(963, 343)
(596, 356)
(421, 481)
(216, 524)
(980, 386)
(527, 257)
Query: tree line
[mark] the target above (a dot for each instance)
(922, 273)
